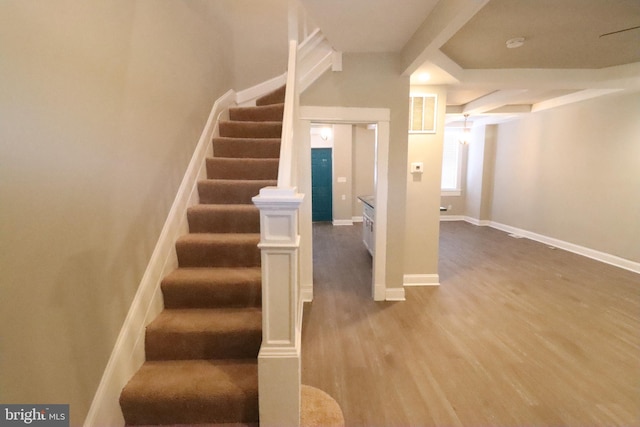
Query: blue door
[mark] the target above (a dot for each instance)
(321, 185)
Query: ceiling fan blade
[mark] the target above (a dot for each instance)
(620, 31)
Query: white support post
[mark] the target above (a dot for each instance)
(279, 369)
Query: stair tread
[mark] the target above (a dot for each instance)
(192, 392)
(267, 148)
(213, 287)
(271, 112)
(202, 320)
(250, 129)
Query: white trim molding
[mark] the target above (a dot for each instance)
(380, 116)
(421, 280)
(339, 222)
(596, 255)
(571, 247)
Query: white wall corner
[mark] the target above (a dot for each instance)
(421, 280)
(395, 294)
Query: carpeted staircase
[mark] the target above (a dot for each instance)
(201, 351)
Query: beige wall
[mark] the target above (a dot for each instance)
(423, 192)
(478, 167)
(259, 36)
(342, 171)
(572, 173)
(101, 105)
(373, 80)
(364, 157)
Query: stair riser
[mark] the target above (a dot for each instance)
(212, 296)
(238, 345)
(246, 148)
(222, 168)
(224, 221)
(250, 129)
(222, 192)
(210, 254)
(191, 411)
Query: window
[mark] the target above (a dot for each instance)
(451, 163)
(422, 114)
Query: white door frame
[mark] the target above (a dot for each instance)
(350, 115)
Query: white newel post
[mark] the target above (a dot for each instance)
(279, 370)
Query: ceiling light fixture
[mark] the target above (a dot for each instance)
(466, 132)
(515, 42)
(325, 133)
(425, 77)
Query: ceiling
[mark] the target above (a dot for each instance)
(567, 55)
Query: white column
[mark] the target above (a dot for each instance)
(279, 371)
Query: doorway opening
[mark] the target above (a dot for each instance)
(335, 116)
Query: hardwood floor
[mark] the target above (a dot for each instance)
(517, 334)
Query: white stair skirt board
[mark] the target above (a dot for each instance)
(421, 280)
(394, 294)
(616, 261)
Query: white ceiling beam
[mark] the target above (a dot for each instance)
(492, 101)
(446, 18)
(582, 95)
(623, 77)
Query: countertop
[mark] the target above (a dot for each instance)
(369, 200)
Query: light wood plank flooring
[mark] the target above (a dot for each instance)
(517, 334)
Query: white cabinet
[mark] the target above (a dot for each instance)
(368, 236)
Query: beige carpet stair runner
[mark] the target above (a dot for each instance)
(201, 351)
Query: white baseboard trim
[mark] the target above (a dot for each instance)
(339, 222)
(614, 260)
(128, 353)
(356, 219)
(478, 222)
(421, 280)
(394, 294)
(306, 293)
(571, 247)
(248, 96)
(452, 217)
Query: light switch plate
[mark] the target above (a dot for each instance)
(417, 167)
